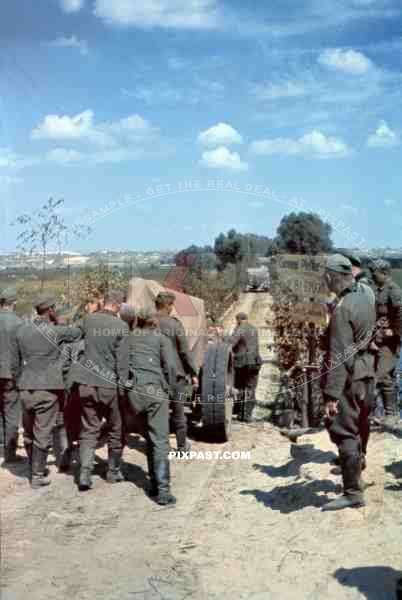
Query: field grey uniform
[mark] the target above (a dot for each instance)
(38, 361)
(173, 329)
(147, 360)
(9, 397)
(389, 308)
(247, 364)
(96, 376)
(349, 380)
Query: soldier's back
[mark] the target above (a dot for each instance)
(9, 323)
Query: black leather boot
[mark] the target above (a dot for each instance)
(114, 474)
(39, 478)
(183, 447)
(352, 484)
(162, 475)
(62, 449)
(10, 453)
(153, 486)
(86, 460)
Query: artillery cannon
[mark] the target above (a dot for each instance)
(212, 404)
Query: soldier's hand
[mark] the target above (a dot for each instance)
(331, 408)
(373, 346)
(195, 382)
(388, 333)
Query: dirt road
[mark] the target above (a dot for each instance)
(242, 529)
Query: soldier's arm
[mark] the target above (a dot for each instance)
(340, 359)
(15, 357)
(121, 351)
(67, 335)
(122, 361)
(236, 338)
(167, 361)
(395, 311)
(184, 351)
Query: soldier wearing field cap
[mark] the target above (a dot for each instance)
(147, 360)
(387, 343)
(173, 328)
(37, 362)
(358, 272)
(348, 377)
(9, 398)
(96, 376)
(247, 364)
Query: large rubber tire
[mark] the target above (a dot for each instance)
(217, 392)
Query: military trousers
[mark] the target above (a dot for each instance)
(98, 403)
(72, 414)
(350, 429)
(387, 360)
(246, 381)
(10, 413)
(151, 406)
(179, 417)
(39, 416)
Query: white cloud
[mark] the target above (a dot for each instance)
(222, 158)
(220, 134)
(179, 14)
(71, 6)
(351, 62)
(55, 127)
(13, 161)
(81, 127)
(71, 42)
(275, 91)
(384, 137)
(312, 145)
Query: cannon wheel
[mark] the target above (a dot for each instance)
(217, 391)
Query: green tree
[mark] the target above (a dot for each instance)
(97, 281)
(303, 233)
(197, 258)
(229, 249)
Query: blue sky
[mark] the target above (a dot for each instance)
(102, 99)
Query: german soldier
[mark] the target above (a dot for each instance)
(147, 360)
(96, 376)
(348, 384)
(174, 330)
(359, 274)
(388, 340)
(37, 361)
(247, 364)
(9, 398)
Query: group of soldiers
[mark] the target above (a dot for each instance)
(363, 349)
(74, 383)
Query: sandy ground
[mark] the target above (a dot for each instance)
(242, 529)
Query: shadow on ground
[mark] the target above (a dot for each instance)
(376, 583)
(296, 496)
(301, 454)
(395, 469)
